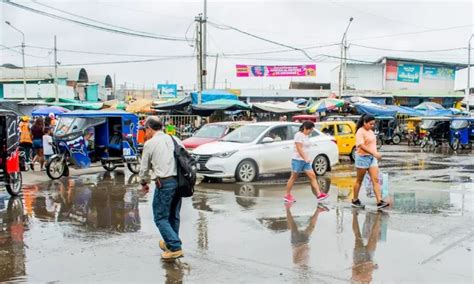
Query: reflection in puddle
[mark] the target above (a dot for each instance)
(13, 224)
(104, 203)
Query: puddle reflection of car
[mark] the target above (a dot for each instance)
(262, 148)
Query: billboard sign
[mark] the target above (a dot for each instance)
(408, 73)
(276, 70)
(391, 70)
(168, 90)
(438, 73)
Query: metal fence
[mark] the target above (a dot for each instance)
(185, 125)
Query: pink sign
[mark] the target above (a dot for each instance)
(276, 71)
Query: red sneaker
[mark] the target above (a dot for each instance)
(322, 196)
(289, 198)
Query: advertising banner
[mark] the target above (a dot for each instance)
(391, 70)
(438, 73)
(168, 90)
(408, 73)
(276, 70)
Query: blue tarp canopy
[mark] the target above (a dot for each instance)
(212, 95)
(46, 110)
(374, 109)
(406, 110)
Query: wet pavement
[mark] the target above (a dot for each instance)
(98, 227)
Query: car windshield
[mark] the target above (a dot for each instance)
(458, 124)
(211, 131)
(245, 134)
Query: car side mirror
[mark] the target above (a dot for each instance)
(267, 140)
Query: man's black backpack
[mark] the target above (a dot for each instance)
(186, 166)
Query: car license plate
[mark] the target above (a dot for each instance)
(198, 166)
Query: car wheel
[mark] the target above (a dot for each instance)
(320, 165)
(353, 154)
(247, 171)
(396, 139)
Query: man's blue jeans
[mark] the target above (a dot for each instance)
(166, 207)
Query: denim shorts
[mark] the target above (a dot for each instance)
(365, 162)
(300, 166)
(38, 144)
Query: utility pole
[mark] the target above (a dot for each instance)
(114, 88)
(343, 47)
(25, 97)
(215, 72)
(468, 91)
(204, 46)
(200, 70)
(56, 95)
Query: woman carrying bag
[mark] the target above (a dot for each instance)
(366, 160)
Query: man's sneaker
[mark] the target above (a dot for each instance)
(358, 204)
(163, 245)
(171, 255)
(289, 198)
(322, 196)
(382, 204)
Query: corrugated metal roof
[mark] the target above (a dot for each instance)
(42, 73)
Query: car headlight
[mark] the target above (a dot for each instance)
(225, 154)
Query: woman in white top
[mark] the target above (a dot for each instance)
(301, 162)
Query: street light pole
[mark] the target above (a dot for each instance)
(22, 56)
(343, 47)
(468, 74)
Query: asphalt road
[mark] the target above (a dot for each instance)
(98, 227)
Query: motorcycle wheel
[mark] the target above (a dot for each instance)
(109, 166)
(13, 183)
(455, 144)
(56, 168)
(396, 139)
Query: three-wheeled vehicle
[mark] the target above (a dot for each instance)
(414, 133)
(387, 127)
(10, 172)
(437, 130)
(462, 132)
(82, 137)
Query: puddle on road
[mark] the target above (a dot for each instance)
(225, 222)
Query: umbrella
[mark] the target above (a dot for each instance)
(325, 105)
(46, 110)
(429, 106)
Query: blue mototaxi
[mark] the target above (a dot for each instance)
(82, 137)
(462, 132)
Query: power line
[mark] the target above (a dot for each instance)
(227, 27)
(26, 54)
(104, 53)
(414, 33)
(85, 18)
(118, 62)
(408, 50)
(137, 34)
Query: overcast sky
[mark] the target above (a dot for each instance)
(295, 23)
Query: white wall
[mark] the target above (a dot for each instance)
(460, 82)
(36, 91)
(365, 76)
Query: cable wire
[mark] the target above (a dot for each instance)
(227, 27)
(102, 28)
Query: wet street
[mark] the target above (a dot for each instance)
(98, 227)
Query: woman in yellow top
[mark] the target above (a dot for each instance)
(26, 140)
(366, 160)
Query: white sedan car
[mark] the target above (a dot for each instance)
(262, 148)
